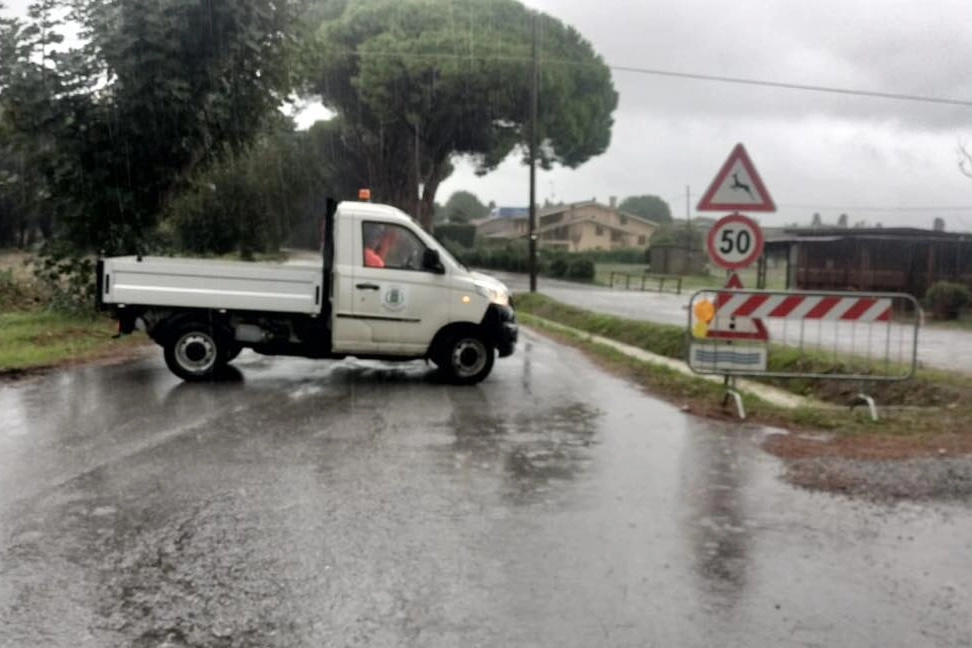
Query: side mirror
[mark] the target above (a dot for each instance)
(431, 261)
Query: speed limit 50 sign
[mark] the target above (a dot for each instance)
(735, 242)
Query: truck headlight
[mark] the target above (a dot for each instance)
(499, 297)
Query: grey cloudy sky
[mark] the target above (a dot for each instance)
(815, 152)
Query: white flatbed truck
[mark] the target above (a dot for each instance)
(417, 302)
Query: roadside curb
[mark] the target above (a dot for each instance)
(767, 393)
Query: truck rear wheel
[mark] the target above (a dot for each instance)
(466, 358)
(194, 351)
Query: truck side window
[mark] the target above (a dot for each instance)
(391, 246)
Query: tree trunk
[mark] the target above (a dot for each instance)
(426, 215)
(397, 178)
(398, 194)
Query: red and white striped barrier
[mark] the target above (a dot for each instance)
(813, 307)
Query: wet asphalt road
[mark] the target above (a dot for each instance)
(360, 504)
(937, 347)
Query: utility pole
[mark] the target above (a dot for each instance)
(533, 161)
(687, 266)
(417, 215)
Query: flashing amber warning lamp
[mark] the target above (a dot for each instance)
(364, 195)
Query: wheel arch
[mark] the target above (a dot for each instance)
(167, 326)
(448, 331)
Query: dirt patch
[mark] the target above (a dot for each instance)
(942, 478)
(874, 447)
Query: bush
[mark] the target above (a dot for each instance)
(558, 266)
(946, 300)
(622, 255)
(17, 294)
(67, 279)
(515, 257)
(464, 235)
(581, 269)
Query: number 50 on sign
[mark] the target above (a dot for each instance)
(735, 242)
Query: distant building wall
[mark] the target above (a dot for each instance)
(907, 261)
(592, 226)
(502, 227)
(666, 259)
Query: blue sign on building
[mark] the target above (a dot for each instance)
(510, 212)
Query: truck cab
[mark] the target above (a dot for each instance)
(382, 288)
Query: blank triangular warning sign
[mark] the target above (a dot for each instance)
(738, 328)
(728, 327)
(737, 187)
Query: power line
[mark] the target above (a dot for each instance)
(678, 198)
(866, 208)
(853, 208)
(794, 86)
(714, 78)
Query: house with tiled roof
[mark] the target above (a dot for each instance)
(575, 227)
(591, 225)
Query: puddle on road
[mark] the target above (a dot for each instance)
(532, 450)
(544, 505)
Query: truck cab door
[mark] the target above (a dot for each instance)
(403, 303)
(349, 334)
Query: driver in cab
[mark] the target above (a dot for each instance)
(378, 241)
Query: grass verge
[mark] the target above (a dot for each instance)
(35, 340)
(905, 429)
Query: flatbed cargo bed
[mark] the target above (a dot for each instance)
(201, 283)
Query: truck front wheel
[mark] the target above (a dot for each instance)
(194, 351)
(466, 358)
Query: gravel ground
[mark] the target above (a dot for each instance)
(947, 478)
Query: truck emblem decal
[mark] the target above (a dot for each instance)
(394, 299)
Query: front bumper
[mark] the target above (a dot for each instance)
(500, 324)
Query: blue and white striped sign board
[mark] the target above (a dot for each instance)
(713, 358)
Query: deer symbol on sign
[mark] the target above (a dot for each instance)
(740, 185)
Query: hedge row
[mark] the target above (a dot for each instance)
(514, 257)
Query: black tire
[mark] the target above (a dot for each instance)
(195, 351)
(466, 357)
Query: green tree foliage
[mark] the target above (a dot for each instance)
(22, 187)
(464, 206)
(420, 81)
(272, 193)
(946, 300)
(457, 233)
(679, 236)
(651, 207)
(438, 213)
(156, 90)
(22, 194)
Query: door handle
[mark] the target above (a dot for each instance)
(368, 286)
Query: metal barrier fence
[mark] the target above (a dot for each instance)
(646, 279)
(863, 337)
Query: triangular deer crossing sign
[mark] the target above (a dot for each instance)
(735, 328)
(737, 187)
